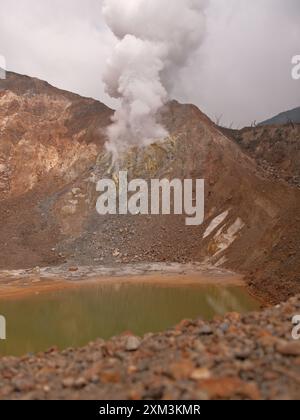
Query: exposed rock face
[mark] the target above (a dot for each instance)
(275, 148)
(45, 132)
(52, 154)
(48, 138)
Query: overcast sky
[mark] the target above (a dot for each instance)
(242, 71)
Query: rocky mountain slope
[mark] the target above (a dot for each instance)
(275, 148)
(292, 116)
(52, 154)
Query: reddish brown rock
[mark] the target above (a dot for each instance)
(229, 388)
(289, 349)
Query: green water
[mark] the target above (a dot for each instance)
(73, 318)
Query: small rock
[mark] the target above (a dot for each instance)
(199, 346)
(234, 316)
(200, 374)
(205, 330)
(224, 327)
(181, 369)
(270, 376)
(110, 377)
(289, 349)
(80, 383)
(133, 343)
(68, 383)
(229, 388)
(76, 191)
(23, 385)
(116, 253)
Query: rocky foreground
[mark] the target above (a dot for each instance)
(236, 357)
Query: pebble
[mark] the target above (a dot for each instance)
(205, 330)
(68, 382)
(133, 343)
(224, 327)
(199, 374)
(289, 349)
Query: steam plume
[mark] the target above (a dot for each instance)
(155, 39)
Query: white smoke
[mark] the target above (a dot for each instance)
(156, 38)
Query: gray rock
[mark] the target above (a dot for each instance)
(133, 343)
(206, 330)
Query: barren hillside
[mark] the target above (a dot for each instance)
(276, 148)
(52, 154)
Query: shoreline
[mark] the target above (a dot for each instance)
(33, 286)
(18, 284)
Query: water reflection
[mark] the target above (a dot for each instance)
(74, 317)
